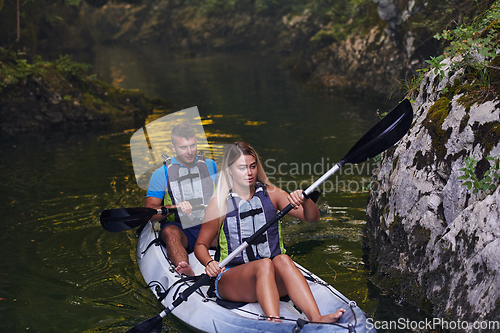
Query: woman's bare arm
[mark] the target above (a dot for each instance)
(304, 209)
(209, 230)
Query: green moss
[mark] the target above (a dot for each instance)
(434, 122)
(438, 112)
(323, 35)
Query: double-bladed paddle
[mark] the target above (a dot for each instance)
(379, 138)
(122, 219)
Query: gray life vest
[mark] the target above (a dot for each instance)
(243, 219)
(194, 185)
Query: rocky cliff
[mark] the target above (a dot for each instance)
(372, 54)
(375, 57)
(429, 239)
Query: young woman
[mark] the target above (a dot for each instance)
(243, 202)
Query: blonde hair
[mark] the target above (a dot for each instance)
(225, 183)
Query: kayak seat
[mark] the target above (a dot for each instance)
(228, 304)
(234, 305)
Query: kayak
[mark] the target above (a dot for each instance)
(204, 312)
(192, 302)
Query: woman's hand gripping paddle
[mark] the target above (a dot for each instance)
(380, 137)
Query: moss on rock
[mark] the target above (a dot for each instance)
(434, 122)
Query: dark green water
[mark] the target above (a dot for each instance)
(61, 272)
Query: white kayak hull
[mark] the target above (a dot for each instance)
(202, 313)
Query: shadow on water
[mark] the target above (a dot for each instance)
(61, 272)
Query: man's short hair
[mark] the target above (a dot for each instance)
(183, 131)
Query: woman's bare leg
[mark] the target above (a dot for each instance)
(252, 282)
(290, 279)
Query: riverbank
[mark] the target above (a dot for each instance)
(367, 46)
(369, 49)
(40, 96)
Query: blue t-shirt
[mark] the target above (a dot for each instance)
(159, 179)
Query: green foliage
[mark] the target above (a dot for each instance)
(489, 183)
(14, 70)
(411, 86)
(65, 65)
(333, 14)
(475, 44)
(217, 6)
(436, 63)
(340, 18)
(472, 46)
(429, 17)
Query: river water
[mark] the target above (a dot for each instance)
(61, 272)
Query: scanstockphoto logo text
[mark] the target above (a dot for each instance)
(432, 324)
(358, 175)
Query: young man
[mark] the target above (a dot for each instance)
(186, 181)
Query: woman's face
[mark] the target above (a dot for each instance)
(244, 171)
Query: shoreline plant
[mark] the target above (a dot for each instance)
(473, 48)
(489, 183)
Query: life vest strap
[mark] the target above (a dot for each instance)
(189, 176)
(250, 254)
(252, 213)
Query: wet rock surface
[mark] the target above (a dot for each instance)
(429, 239)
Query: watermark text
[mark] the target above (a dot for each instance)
(431, 324)
(280, 174)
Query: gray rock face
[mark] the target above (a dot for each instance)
(388, 11)
(430, 239)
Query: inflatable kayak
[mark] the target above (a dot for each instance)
(204, 312)
(197, 308)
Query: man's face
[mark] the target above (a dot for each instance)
(185, 149)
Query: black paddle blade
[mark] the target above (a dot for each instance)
(383, 135)
(122, 219)
(152, 325)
